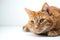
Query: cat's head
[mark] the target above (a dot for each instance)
(39, 22)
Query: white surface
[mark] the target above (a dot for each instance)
(16, 33)
(12, 11)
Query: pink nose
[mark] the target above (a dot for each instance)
(36, 27)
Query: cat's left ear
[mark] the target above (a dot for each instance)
(46, 8)
(29, 12)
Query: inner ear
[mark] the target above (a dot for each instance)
(47, 11)
(46, 8)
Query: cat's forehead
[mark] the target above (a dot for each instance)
(43, 14)
(38, 15)
(35, 15)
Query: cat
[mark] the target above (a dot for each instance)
(47, 20)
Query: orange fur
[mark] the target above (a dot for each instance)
(46, 20)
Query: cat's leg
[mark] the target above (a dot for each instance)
(25, 28)
(58, 31)
(53, 33)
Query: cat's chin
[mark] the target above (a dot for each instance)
(35, 31)
(38, 31)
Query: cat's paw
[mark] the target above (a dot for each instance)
(52, 33)
(25, 29)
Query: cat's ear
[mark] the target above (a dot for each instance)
(46, 8)
(29, 12)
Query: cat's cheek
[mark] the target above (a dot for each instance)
(31, 30)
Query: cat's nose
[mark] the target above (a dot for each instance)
(36, 27)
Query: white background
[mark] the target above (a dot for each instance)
(13, 13)
(13, 17)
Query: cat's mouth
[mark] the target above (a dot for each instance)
(43, 29)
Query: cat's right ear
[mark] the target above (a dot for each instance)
(29, 12)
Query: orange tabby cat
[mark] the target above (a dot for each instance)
(45, 21)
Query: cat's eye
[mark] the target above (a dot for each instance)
(41, 20)
(32, 21)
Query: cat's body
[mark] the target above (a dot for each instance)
(46, 20)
